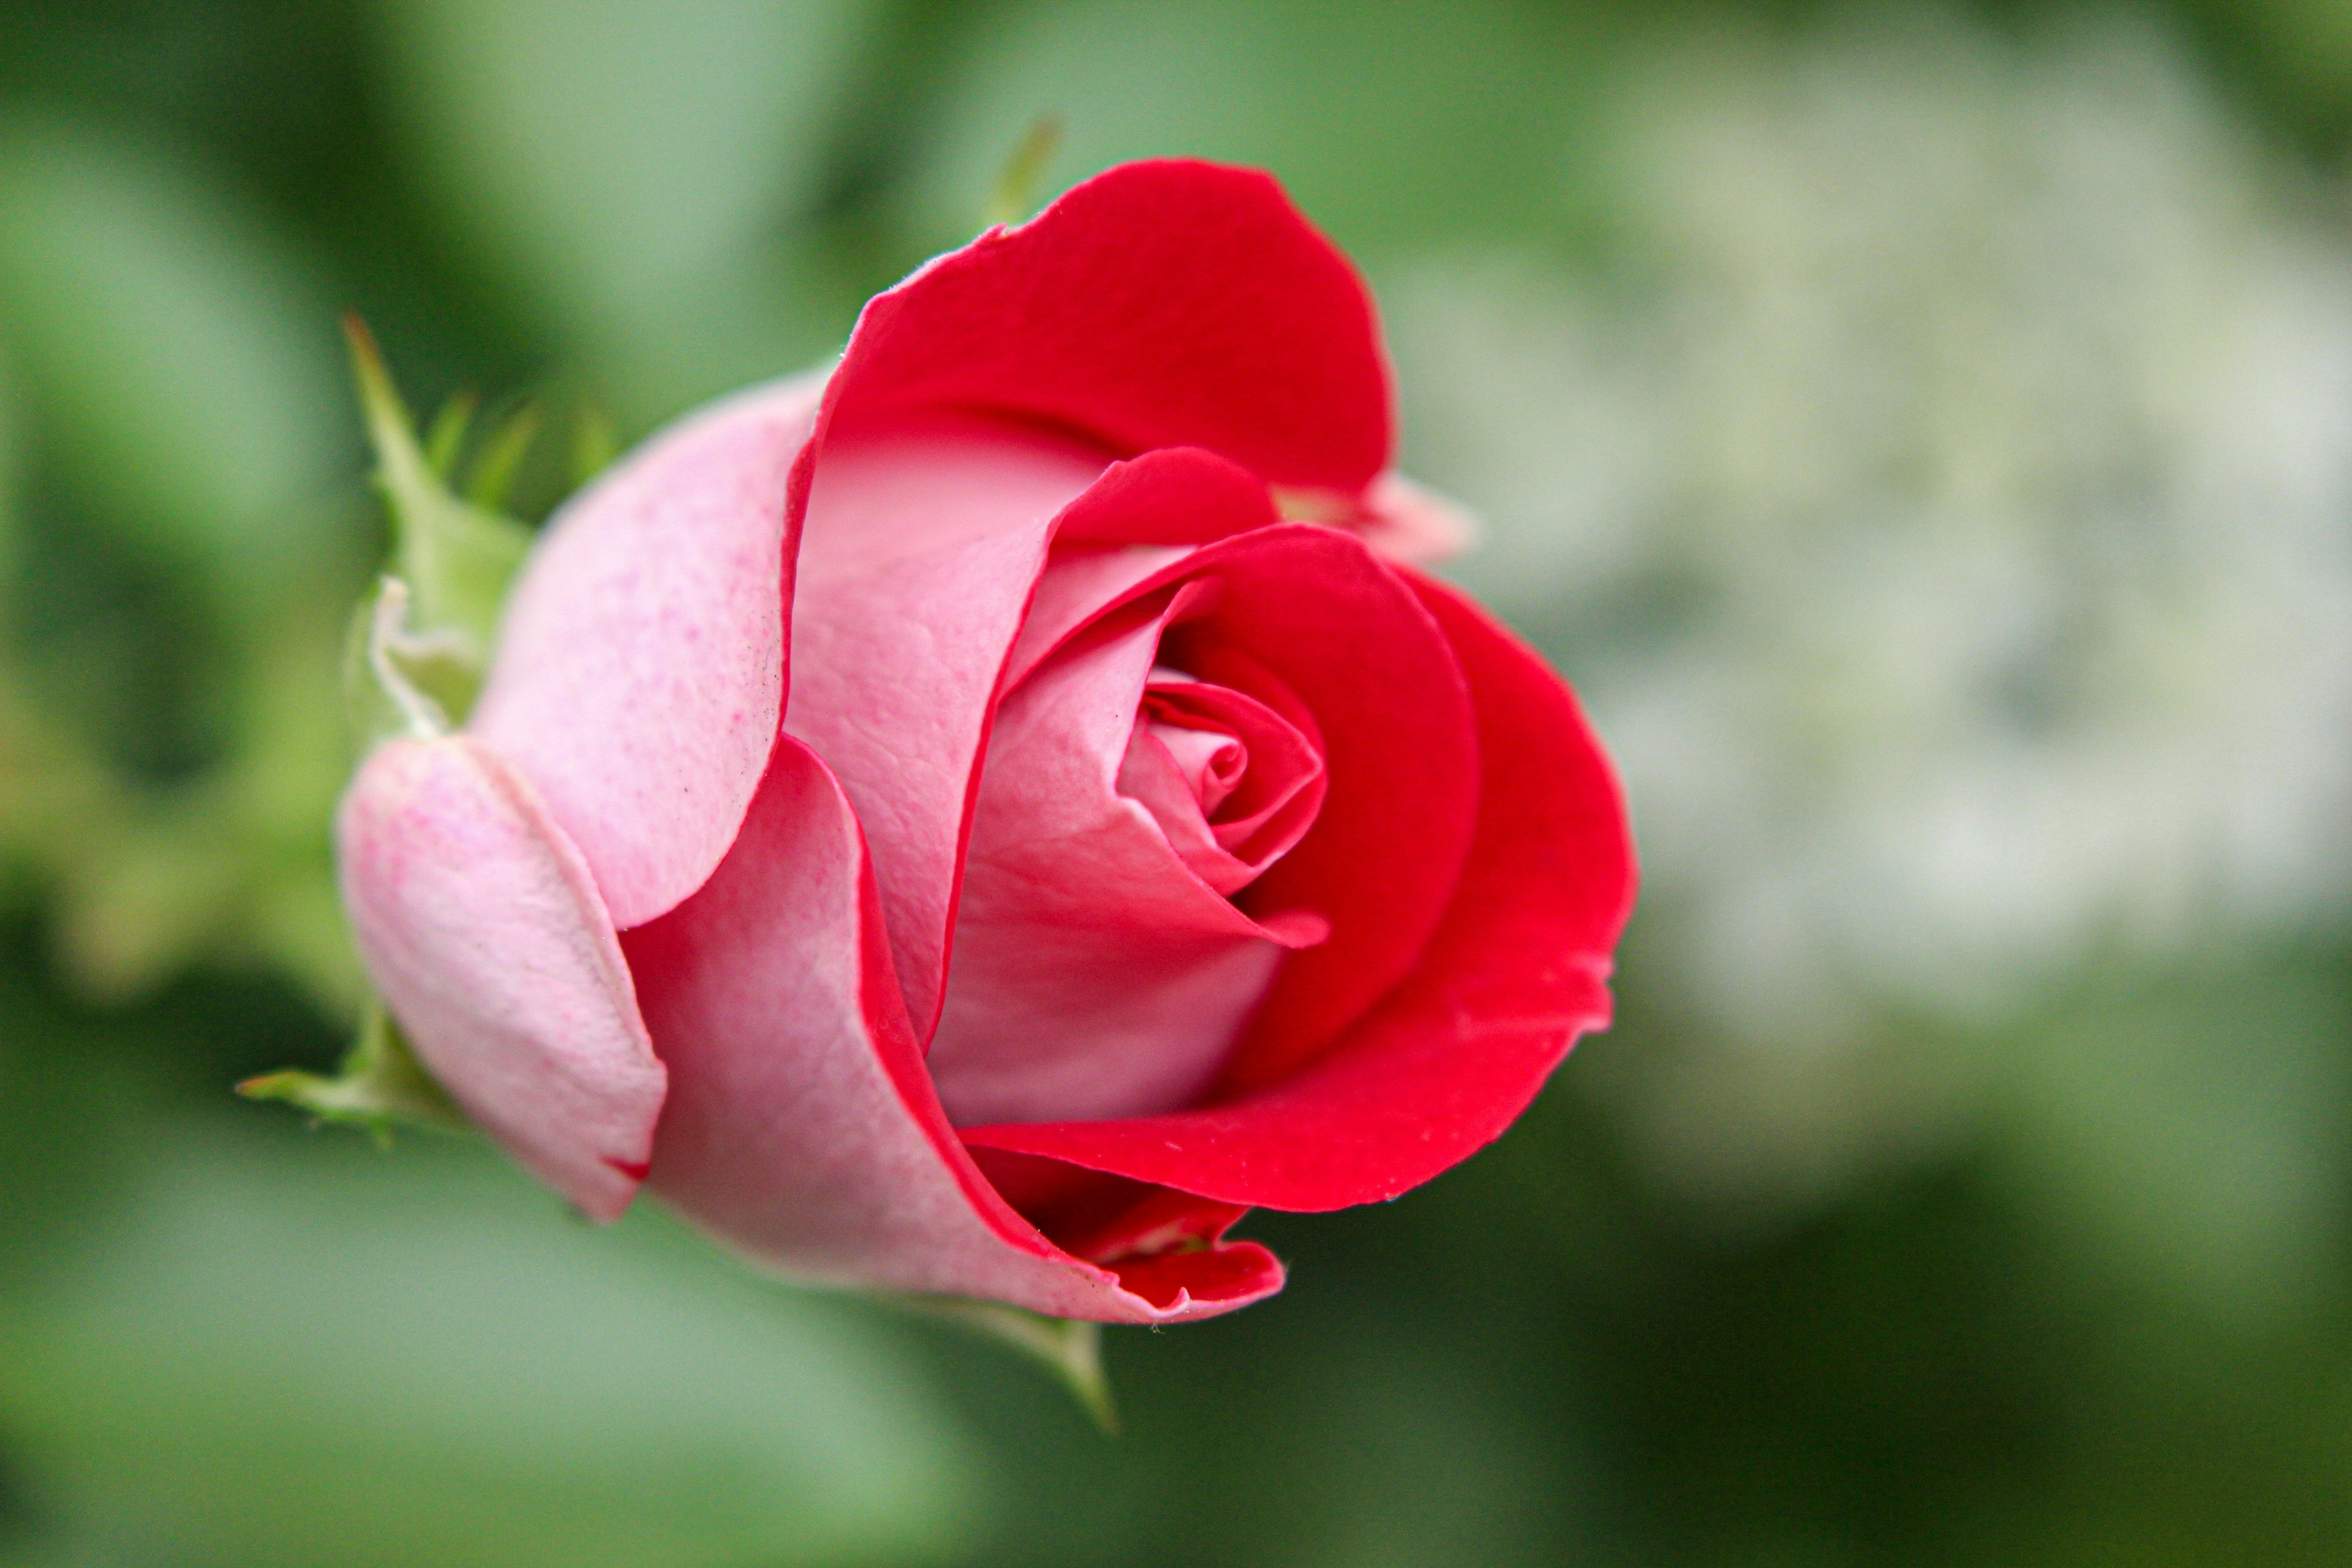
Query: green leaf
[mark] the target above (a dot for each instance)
(608, 158)
(174, 336)
(1067, 1348)
(1393, 131)
(379, 1085)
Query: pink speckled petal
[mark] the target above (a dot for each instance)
(484, 931)
(801, 1125)
(641, 663)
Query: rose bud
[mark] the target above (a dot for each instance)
(979, 820)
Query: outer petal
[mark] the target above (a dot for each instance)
(642, 664)
(480, 923)
(1159, 304)
(801, 1125)
(1448, 1059)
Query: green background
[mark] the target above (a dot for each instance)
(1924, 432)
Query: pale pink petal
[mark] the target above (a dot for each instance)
(485, 933)
(642, 662)
(800, 1126)
(1408, 522)
(1096, 973)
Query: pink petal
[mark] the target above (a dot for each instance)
(917, 559)
(801, 1125)
(483, 929)
(1159, 304)
(1094, 973)
(1449, 1058)
(641, 663)
(1251, 772)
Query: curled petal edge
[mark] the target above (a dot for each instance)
(482, 926)
(645, 643)
(802, 1126)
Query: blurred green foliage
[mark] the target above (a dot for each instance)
(1866, 403)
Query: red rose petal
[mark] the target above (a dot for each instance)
(1094, 973)
(1352, 646)
(1157, 1241)
(1166, 303)
(1444, 1063)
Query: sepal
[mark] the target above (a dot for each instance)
(1015, 195)
(398, 680)
(456, 556)
(1068, 1349)
(415, 657)
(379, 1085)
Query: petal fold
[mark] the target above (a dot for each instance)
(801, 1125)
(484, 929)
(920, 556)
(641, 663)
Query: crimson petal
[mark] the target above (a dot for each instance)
(1446, 1062)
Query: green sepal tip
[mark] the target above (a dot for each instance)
(458, 557)
(594, 445)
(1070, 1349)
(379, 1085)
(445, 437)
(500, 458)
(1015, 195)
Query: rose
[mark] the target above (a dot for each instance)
(1141, 842)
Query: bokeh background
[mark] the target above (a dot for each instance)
(1925, 434)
